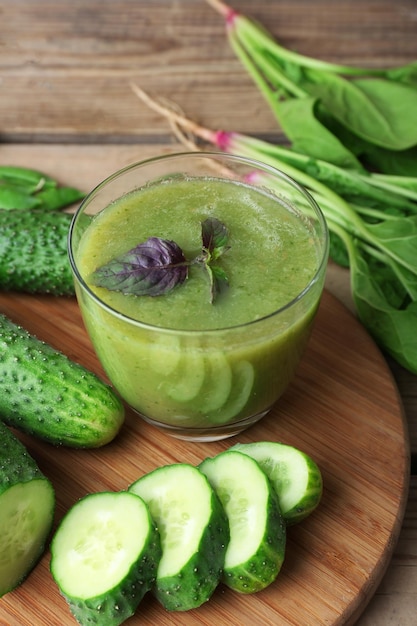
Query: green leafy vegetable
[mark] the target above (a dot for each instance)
(380, 111)
(372, 220)
(301, 122)
(375, 106)
(24, 188)
(353, 145)
(157, 266)
(344, 123)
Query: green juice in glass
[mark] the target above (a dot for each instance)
(199, 369)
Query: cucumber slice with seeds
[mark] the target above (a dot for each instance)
(218, 383)
(194, 533)
(191, 373)
(243, 376)
(164, 355)
(256, 549)
(27, 506)
(295, 476)
(104, 556)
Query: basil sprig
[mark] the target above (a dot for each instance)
(156, 266)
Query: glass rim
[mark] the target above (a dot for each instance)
(256, 164)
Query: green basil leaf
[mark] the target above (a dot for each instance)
(214, 235)
(218, 281)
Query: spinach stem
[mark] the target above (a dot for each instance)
(275, 76)
(247, 28)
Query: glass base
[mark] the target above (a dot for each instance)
(212, 433)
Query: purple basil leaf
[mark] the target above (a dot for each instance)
(152, 268)
(214, 235)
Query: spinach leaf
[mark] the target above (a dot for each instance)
(337, 250)
(24, 188)
(392, 328)
(407, 278)
(398, 162)
(380, 111)
(398, 237)
(343, 123)
(404, 74)
(298, 119)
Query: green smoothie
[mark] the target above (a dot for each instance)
(178, 358)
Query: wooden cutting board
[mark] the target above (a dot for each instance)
(343, 409)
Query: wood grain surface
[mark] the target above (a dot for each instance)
(66, 107)
(343, 409)
(65, 66)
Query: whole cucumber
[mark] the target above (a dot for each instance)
(44, 393)
(27, 507)
(33, 251)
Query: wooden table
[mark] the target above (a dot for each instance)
(66, 107)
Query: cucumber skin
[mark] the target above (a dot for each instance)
(117, 605)
(111, 609)
(313, 496)
(33, 252)
(17, 466)
(44, 393)
(196, 582)
(260, 571)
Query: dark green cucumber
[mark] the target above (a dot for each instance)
(44, 393)
(194, 534)
(256, 549)
(104, 556)
(294, 475)
(33, 252)
(27, 506)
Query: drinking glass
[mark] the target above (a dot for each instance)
(200, 383)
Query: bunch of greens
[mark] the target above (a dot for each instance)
(353, 145)
(341, 114)
(24, 188)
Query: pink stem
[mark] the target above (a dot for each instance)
(221, 7)
(218, 138)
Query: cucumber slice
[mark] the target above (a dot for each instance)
(27, 506)
(104, 557)
(194, 534)
(256, 549)
(243, 376)
(164, 355)
(218, 383)
(191, 373)
(295, 476)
